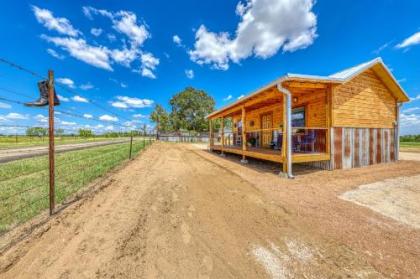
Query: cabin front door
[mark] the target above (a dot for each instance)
(266, 126)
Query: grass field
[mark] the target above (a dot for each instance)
(24, 141)
(24, 183)
(410, 146)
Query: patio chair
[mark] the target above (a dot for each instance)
(309, 140)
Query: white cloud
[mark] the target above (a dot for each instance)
(68, 123)
(177, 40)
(229, 97)
(265, 27)
(123, 85)
(410, 41)
(240, 97)
(109, 128)
(5, 106)
(41, 118)
(97, 56)
(411, 110)
(66, 81)
(139, 116)
(189, 74)
(111, 37)
(381, 48)
(96, 31)
(62, 98)
(125, 102)
(55, 54)
(86, 86)
(80, 99)
(120, 105)
(415, 98)
(124, 22)
(148, 65)
(107, 117)
(88, 116)
(410, 123)
(15, 116)
(59, 24)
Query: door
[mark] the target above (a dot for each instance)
(266, 126)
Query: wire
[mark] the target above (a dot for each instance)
(21, 68)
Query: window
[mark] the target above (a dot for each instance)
(298, 117)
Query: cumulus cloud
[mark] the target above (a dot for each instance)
(415, 98)
(66, 81)
(62, 98)
(86, 86)
(124, 22)
(68, 123)
(412, 109)
(125, 102)
(41, 118)
(189, 74)
(88, 116)
(55, 54)
(410, 123)
(96, 31)
(265, 27)
(139, 116)
(148, 65)
(229, 97)
(5, 106)
(97, 56)
(107, 117)
(14, 116)
(177, 40)
(240, 97)
(59, 24)
(80, 99)
(410, 41)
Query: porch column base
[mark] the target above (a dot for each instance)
(222, 154)
(244, 161)
(285, 175)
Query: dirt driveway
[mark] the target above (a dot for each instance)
(180, 212)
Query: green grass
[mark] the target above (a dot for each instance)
(24, 141)
(24, 183)
(410, 146)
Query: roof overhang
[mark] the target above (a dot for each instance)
(377, 65)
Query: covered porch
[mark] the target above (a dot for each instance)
(256, 126)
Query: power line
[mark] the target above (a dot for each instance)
(21, 68)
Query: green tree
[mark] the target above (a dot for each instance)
(36, 132)
(144, 130)
(161, 118)
(190, 108)
(85, 133)
(59, 132)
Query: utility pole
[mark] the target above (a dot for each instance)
(51, 154)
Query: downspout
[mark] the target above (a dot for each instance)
(397, 133)
(288, 95)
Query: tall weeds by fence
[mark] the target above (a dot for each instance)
(24, 184)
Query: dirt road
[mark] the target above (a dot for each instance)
(179, 212)
(7, 155)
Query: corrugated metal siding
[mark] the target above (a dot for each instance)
(357, 147)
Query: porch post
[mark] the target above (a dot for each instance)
(223, 135)
(244, 160)
(284, 135)
(211, 134)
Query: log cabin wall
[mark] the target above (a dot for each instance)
(363, 102)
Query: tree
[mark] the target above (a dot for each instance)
(161, 118)
(85, 133)
(190, 108)
(36, 132)
(144, 130)
(59, 132)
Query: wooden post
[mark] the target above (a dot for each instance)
(51, 138)
(223, 135)
(243, 120)
(131, 145)
(284, 142)
(211, 134)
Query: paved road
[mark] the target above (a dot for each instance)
(7, 155)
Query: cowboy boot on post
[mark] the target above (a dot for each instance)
(43, 98)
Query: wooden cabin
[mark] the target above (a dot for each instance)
(345, 120)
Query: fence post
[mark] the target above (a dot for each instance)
(51, 138)
(131, 145)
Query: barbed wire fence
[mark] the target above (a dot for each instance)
(31, 185)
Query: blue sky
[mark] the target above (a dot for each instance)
(127, 56)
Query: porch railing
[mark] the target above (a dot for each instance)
(304, 140)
